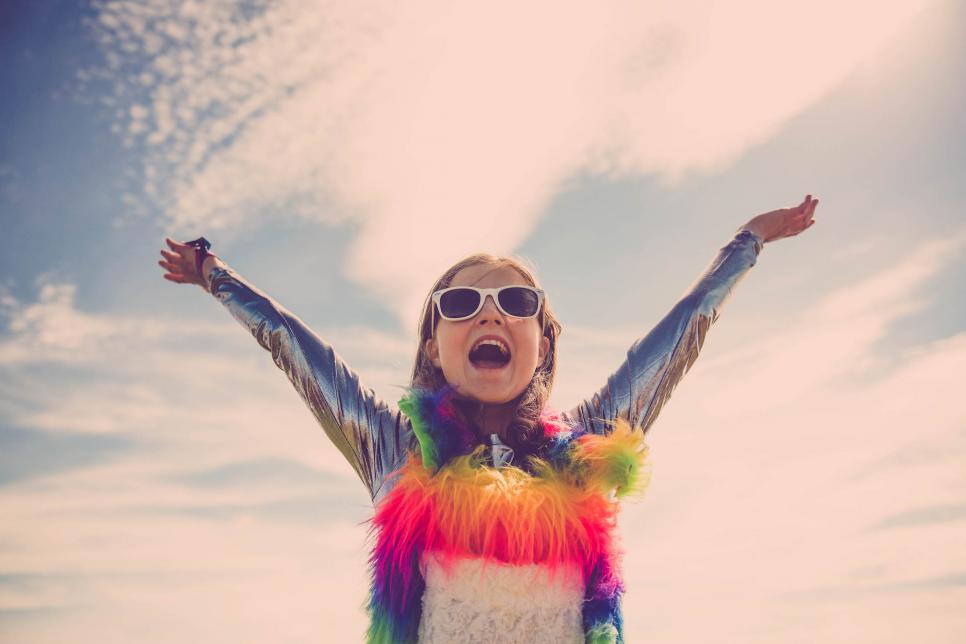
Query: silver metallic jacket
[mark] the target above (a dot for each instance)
(374, 435)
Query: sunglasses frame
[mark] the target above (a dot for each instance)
(492, 293)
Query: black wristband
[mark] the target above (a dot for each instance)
(201, 245)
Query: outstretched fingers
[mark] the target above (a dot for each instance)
(172, 267)
(808, 211)
(807, 208)
(181, 249)
(176, 263)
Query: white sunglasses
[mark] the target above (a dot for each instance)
(463, 302)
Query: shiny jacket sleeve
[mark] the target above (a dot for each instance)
(656, 363)
(371, 434)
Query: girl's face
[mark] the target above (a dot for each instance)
(450, 348)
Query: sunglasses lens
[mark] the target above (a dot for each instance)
(519, 302)
(458, 303)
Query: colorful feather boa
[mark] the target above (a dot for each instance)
(449, 502)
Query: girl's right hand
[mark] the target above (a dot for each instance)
(180, 264)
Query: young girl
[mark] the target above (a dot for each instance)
(494, 517)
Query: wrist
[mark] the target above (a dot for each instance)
(211, 261)
(755, 230)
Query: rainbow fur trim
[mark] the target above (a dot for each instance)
(448, 502)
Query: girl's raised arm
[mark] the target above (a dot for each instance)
(656, 363)
(371, 434)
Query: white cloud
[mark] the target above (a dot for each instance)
(53, 329)
(139, 377)
(446, 128)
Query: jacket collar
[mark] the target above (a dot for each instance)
(442, 431)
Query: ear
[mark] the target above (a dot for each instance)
(544, 348)
(432, 350)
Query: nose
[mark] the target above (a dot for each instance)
(489, 312)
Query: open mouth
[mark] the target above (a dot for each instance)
(490, 353)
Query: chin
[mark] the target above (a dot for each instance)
(493, 399)
(482, 394)
(492, 393)
(492, 386)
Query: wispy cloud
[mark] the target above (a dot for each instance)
(931, 514)
(408, 118)
(173, 386)
(53, 329)
(26, 454)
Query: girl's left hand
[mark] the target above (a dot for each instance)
(784, 222)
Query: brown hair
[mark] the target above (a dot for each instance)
(524, 434)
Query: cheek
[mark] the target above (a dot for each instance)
(527, 340)
(450, 339)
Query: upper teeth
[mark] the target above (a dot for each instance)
(497, 343)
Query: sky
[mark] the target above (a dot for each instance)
(161, 481)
